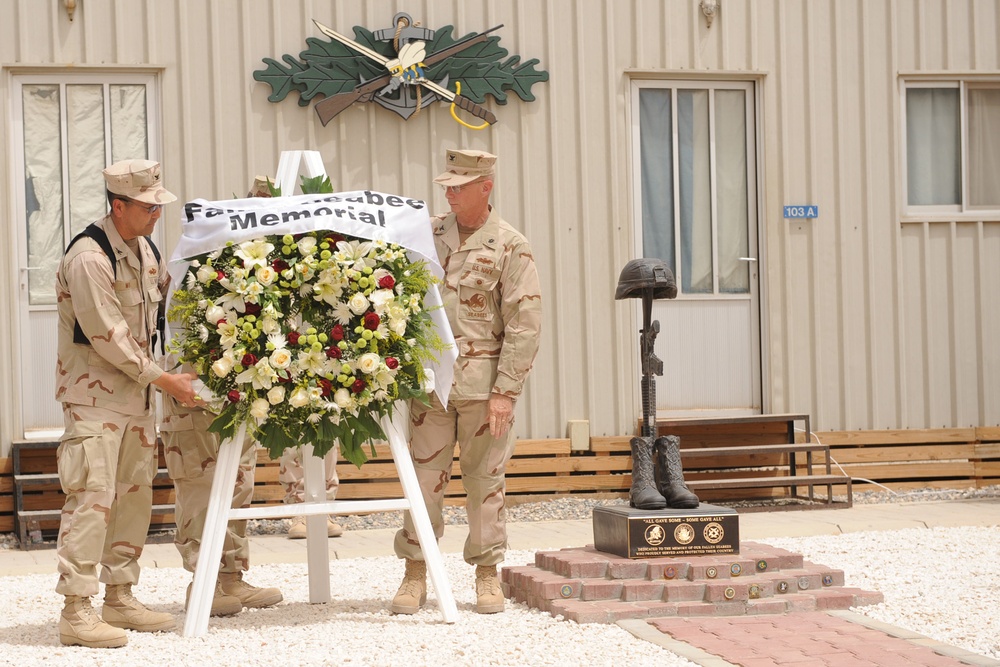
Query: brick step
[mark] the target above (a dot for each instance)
(590, 586)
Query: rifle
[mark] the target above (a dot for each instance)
(329, 107)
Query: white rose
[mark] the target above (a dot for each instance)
(281, 359)
(222, 366)
(205, 274)
(358, 304)
(343, 398)
(265, 275)
(428, 380)
(276, 395)
(369, 362)
(381, 297)
(299, 398)
(269, 325)
(259, 408)
(306, 245)
(214, 314)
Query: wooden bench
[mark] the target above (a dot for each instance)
(743, 458)
(38, 497)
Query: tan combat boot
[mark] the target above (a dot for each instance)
(122, 610)
(249, 596)
(222, 604)
(79, 625)
(297, 531)
(412, 593)
(489, 596)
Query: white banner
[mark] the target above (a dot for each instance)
(209, 225)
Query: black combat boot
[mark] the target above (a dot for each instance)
(643, 494)
(670, 474)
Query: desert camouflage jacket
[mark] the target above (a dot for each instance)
(493, 301)
(118, 315)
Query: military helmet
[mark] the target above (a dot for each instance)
(647, 273)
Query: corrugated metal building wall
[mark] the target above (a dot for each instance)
(870, 321)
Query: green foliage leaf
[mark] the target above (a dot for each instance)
(316, 185)
(524, 77)
(279, 77)
(276, 440)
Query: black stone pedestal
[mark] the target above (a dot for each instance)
(635, 533)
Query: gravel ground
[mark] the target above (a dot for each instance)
(938, 582)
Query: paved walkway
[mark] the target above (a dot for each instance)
(813, 638)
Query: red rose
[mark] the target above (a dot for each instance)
(252, 309)
(391, 362)
(219, 274)
(337, 332)
(387, 282)
(284, 378)
(234, 396)
(372, 320)
(293, 337)
(333, 352)
(248, 360)
(326, 386)
(279, 265)
(358, 386)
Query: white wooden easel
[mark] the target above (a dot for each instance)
(315, 508)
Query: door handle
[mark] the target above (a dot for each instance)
(747, 259)
(24, 275)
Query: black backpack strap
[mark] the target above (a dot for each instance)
(98, 234)
(161, 319)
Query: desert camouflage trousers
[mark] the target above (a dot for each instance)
(191, 452)
(291, 475)
(106, 462)
(483, 459)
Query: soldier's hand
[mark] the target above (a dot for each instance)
(501, 414)
(179, 386)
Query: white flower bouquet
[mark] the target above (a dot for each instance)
(306, 338)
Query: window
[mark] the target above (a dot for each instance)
(696, 181)
(69, 128)
(952, 144)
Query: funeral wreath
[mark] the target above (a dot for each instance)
(306, 338)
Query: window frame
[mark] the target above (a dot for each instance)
(28, 76)
(943, 212)
(674, 83)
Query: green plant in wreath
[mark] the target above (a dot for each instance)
(306, 338)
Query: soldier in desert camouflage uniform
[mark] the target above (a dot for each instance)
(492, 298)
(107, 455)
(191, 452)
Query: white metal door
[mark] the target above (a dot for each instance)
(67, 128)
(696, 203)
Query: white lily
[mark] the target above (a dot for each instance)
(254, 253)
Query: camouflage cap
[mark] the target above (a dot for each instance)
(465, 166)
(261, 187)
(138, 180)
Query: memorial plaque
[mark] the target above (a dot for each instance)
(635, 533)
